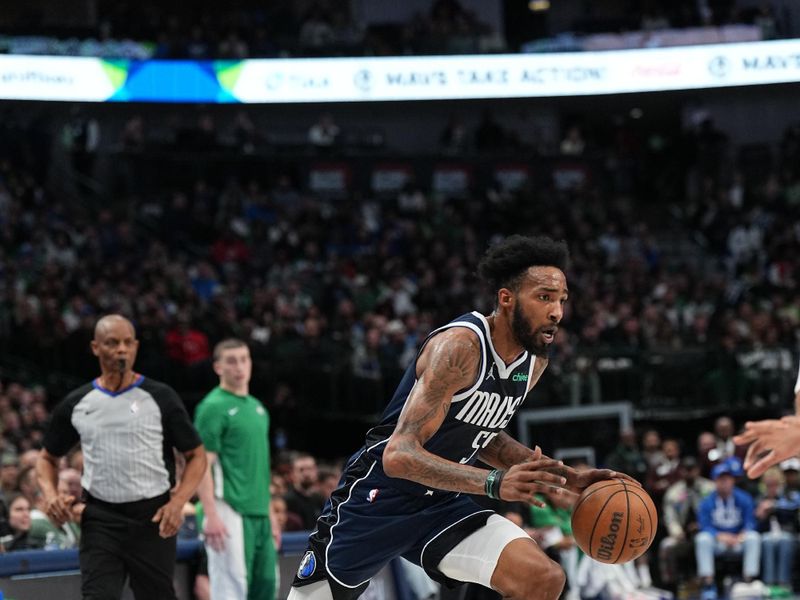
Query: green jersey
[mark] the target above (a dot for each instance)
(236, 428)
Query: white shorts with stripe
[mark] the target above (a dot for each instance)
(227, 571)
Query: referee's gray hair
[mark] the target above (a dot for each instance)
(228, 344)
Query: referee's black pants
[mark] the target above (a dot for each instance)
(119, 541)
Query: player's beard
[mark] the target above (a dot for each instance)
(525, 336)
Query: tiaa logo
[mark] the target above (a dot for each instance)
(307, 566)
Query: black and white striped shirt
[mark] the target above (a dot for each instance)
(127, 437)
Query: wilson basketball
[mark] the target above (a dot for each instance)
(614, 521)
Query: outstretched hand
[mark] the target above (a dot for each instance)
(771, 441)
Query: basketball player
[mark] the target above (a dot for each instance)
(404, 493)
(234, 427)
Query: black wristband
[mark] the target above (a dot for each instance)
(493, 482)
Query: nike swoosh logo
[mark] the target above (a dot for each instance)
(233, 411)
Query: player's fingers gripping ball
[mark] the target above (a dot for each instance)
(614, 521)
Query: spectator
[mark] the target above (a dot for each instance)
(791, 475)
(245, 133)
(233, 47)
(316, 30)
(328, 481)
(44, 533)
(453, 139)
(204, 281)
(304, 499)
(28, 458)
(681, 508)
(776, 519)
(280, 518)
(663, 474)
(707, 453)
(19, 522)
(228, 249)
(12, 429)
(186, 345)
(651, 448)
(9, 472)
(28, 486)
(573, 143)
(132, 138)
(727, 525)
(324, 134)
(615, 581)
(81, 139)
(366, 356)
(626, 457)
(724, 430)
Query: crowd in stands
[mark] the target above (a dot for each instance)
(324, 28)
(255, 30)
(346, 288)
(663, 14)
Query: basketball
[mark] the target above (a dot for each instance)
(614, 521)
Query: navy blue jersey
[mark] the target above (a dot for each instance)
(476, 414)
(372, 518)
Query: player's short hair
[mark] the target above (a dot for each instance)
(505, 263)
(227, 344)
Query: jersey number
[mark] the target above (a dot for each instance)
(483, 439)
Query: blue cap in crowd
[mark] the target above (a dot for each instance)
(729, 466)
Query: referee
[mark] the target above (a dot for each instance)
(128, 426)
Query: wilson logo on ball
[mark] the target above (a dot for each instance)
(609, 540)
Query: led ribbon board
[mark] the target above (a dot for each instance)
(300, 80)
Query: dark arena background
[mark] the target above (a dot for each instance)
(320, 179)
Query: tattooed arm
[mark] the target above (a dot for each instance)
(449, 363)
(504, 451)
